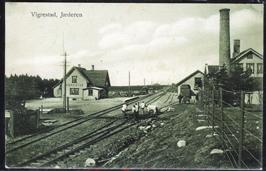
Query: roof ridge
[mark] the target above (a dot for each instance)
(190, 75)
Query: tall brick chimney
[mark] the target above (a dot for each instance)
(236, 50)
(224, 46)
(92, 67)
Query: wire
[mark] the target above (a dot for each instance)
(231, 133)
(254, 136)
(237, 124)
(244, 164)
(228, 157)
(244, 110)
(228, 139)
(246, 130)
(257, 160)
(229, 91)
(230, 152)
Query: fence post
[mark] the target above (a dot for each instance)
(204, 102)
(221, 106)
(241, 138)
(207, 107)
(213, 110)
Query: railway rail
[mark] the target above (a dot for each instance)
(69, 125)
(77, 144)
(72, 146)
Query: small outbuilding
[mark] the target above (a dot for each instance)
(194, 81)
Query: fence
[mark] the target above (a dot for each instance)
(237, 123)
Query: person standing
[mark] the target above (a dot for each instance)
(124, 110)
(142, 106)
(136, 111)
(180, 98)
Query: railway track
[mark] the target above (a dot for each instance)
(77, 144)
(74, 146)
(28, 141)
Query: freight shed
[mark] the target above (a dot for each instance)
(194, 80)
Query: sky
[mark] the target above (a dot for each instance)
(161, 43)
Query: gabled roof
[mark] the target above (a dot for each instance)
(188, 77)
(95, 77)
(243, 53)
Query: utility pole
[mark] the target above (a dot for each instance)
(129, 90)
(64, 82)
(64, 77)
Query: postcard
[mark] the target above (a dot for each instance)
(133, 85)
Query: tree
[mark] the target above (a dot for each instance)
(232, 83)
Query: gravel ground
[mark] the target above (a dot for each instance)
(155, 147)
(152, 143)
(55, 140)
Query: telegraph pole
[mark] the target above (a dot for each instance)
(64, 82)
(64, 77)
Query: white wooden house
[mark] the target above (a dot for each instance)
(84, 84)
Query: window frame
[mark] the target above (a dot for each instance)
(74, 91)
(196, 84)
(74, 79)
(90, 92)
(252, 68)
(261, 70)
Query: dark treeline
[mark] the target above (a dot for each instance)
(24, 87)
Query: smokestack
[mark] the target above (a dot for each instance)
(224, 47)
(92, 67)
(236, 47)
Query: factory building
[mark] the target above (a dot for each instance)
(248, 59)
(84, 84)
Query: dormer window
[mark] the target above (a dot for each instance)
(74, 79)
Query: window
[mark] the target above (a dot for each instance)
(250, 66)
(74, 91)
(259, 68)
(250, 56)
(198, 83)
(74, 79)
(90, 92)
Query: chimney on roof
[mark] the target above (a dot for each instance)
(79, 65)
(224, 44)
(92, 67)
(236, 47)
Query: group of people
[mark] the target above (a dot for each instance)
(136, 108)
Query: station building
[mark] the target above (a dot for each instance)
(84, 84)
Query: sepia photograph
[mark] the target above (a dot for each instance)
(133, 85)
